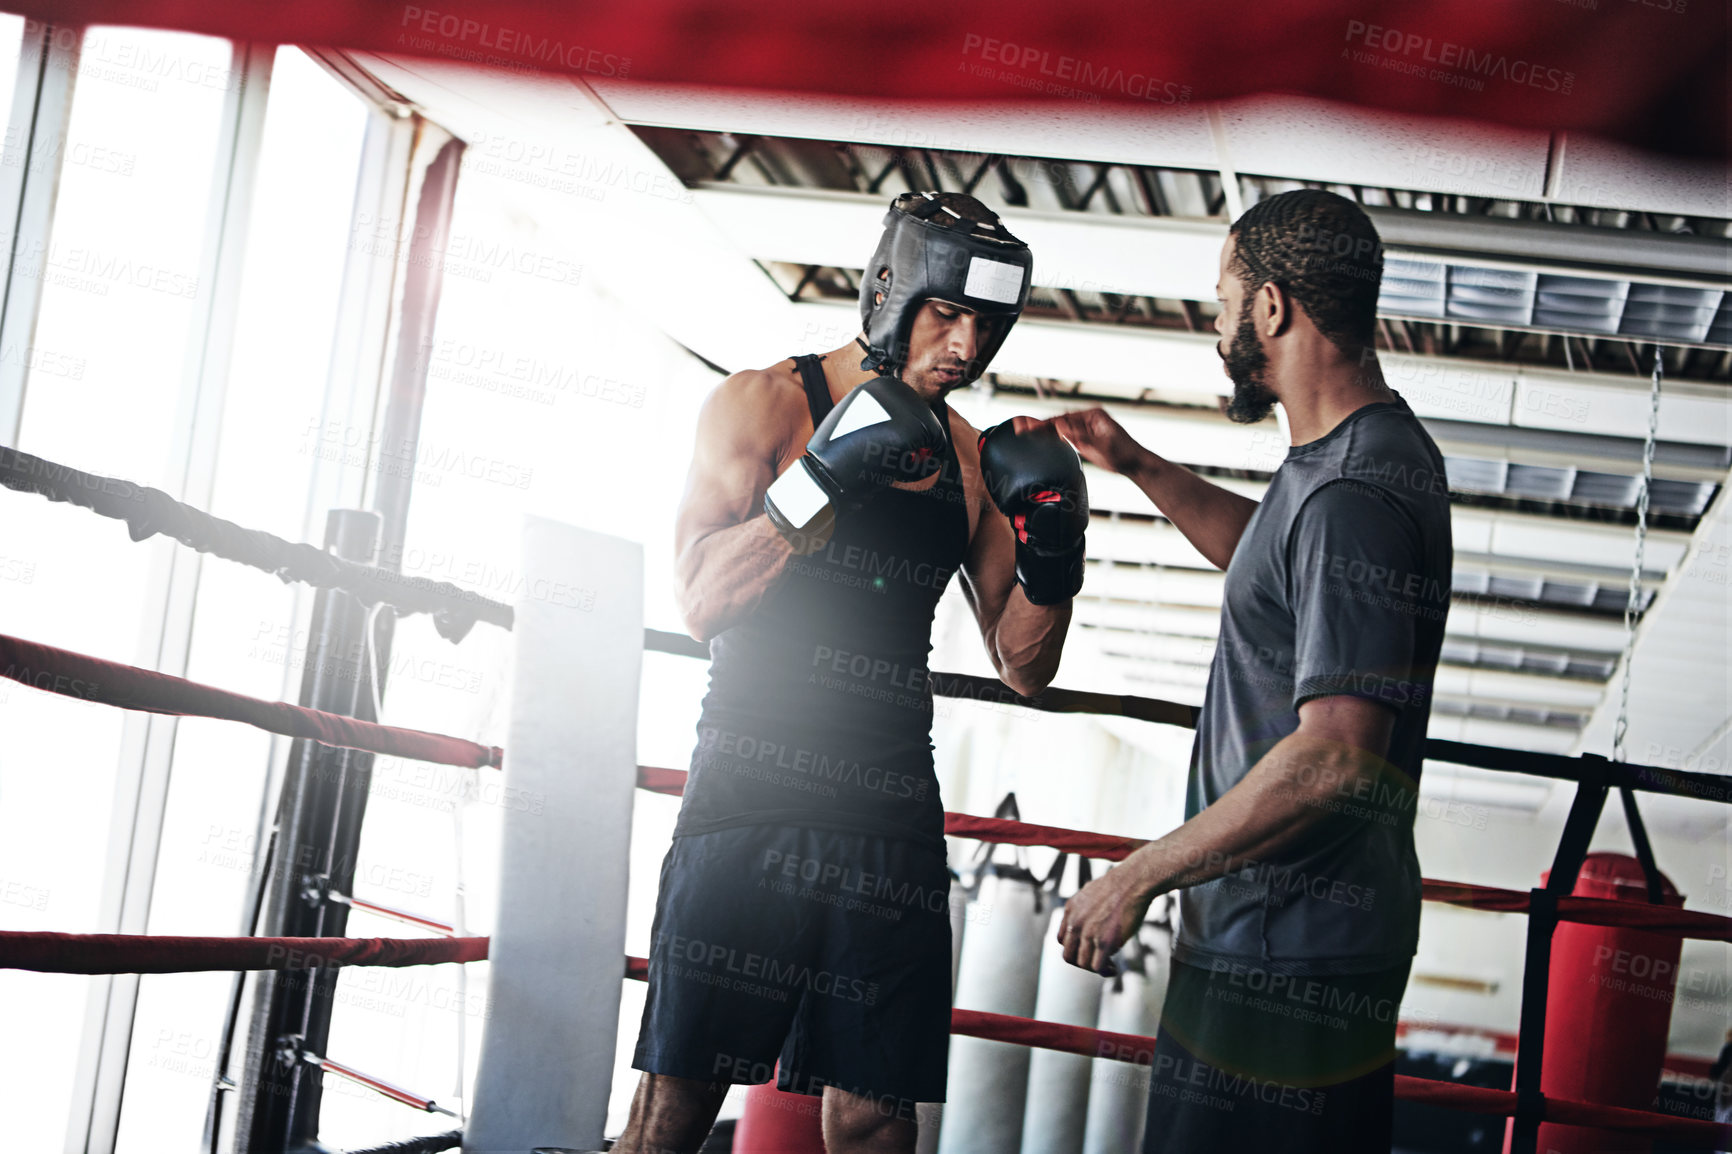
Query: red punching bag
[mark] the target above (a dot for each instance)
(780, 1123)
(1608, 1010)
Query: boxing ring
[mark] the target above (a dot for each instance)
(572, 739)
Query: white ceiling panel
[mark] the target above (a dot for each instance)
(1695, 414)
(1518, 688)
(1309, 139)
(1577, 542)
(1604, 174)
(1162, 586)
(1453, 390)
(1504, 734)
(1143, 542)
(1518, 624)
(1166, 136)
(1178, 620)
(1163, 257)
(1186, 652)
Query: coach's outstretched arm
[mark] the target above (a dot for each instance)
(1211, 518)
(726, 553)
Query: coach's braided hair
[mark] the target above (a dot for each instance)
(1323, 250)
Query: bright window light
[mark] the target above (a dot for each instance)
(120, 289)
(244, 635)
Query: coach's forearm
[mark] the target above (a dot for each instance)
(720, 578)
(1211, 518)
(1275, 809)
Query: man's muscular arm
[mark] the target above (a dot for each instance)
(726, 552)
(1292, 797)
(1024, 641)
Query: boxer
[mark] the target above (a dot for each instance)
(802, 924)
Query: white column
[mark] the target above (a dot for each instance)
(999, 972)
(1058, 1083)
(1118, 1100)
(557, 957)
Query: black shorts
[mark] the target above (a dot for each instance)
(1249, 1060)
(826, 951)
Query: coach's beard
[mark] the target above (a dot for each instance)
(1246, 363)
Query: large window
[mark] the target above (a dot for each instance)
(120, 290)
(245, 633)
(131, 311)
(11, 45)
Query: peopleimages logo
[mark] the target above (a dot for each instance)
(1411, 53)
(1037, 62)
(463, 37)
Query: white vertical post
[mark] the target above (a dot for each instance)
(1118, 1101)
(558, 951)
(1058, 1084)
(999, 972)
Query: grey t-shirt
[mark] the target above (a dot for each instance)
(1340, 585)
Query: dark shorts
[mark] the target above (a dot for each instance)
(1247, 1060)
(827, 952)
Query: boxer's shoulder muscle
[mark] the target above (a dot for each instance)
(761, 409)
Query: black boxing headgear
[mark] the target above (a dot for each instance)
(928, 253)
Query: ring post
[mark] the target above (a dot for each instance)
(324, 796)
(1523, 1131)
(547, 1052)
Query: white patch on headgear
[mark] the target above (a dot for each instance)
(993, 280)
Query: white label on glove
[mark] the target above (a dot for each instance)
(796, 496)
(862, 412)
(993, 280)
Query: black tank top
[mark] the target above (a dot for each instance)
(818, 712)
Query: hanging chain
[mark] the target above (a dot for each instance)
(1633, 605)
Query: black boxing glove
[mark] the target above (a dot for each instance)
(879, 433)
(1036, 480)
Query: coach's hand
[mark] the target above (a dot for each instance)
(1101, 440)
(1100, 918)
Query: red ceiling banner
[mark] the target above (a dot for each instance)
(1649, 72)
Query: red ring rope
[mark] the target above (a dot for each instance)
(1111, 847)
(51, 953)
(129, 687)
(1139, 1050)
(100, 953)
(1589, 911)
